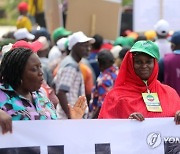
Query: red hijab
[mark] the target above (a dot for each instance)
(126, 96)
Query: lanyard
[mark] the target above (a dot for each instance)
(148, 91)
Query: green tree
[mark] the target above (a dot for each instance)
(11, 12)
(127, 2)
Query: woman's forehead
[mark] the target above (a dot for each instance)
(33, 59)
(141, 54)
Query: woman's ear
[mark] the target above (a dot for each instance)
(173, 46)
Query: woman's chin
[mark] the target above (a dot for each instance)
(144, 77)
(36, 89)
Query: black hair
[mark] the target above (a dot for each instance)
(105, 58)
(141, 53)
(98, 42)
(123, 52)
(41, 32)
(141, 37)
(13, 65)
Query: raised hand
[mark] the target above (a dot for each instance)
(78, 110)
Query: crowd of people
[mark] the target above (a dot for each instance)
(68, 75)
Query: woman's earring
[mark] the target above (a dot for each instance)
(21, 81)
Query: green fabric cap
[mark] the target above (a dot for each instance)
(60, 32)
(6, 41)
(147, 47)
(124, 41)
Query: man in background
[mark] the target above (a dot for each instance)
(169, 66)
(69, 83)
(23, 21)
(162, 31)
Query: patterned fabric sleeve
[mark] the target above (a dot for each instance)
(20, 108)
(104, 83)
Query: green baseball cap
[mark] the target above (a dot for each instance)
(60, 32)
(147, 47)
(124, 41)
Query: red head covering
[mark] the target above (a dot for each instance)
(34, 46)
(126, 96)
(23, 6)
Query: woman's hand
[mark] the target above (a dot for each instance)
(5, 122)
(177, 118)
(78, 110)
(136, 115)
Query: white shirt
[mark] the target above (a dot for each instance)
(164, 47)
(54, 54)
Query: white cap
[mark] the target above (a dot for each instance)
(79, 37)
(23, 33)
(115, 51)
(43, 40)
(62, 43)
(162, 27)
(6, 48)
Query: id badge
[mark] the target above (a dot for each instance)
(152, 102)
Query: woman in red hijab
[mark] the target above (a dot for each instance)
(137, 93)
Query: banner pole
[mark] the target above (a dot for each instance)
(161, 9)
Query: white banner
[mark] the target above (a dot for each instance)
(146, 14)
(92, 137)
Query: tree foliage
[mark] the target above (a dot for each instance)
(127, 2)
(11, 12)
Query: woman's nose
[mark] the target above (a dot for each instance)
(41, 72)
(144, 65)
